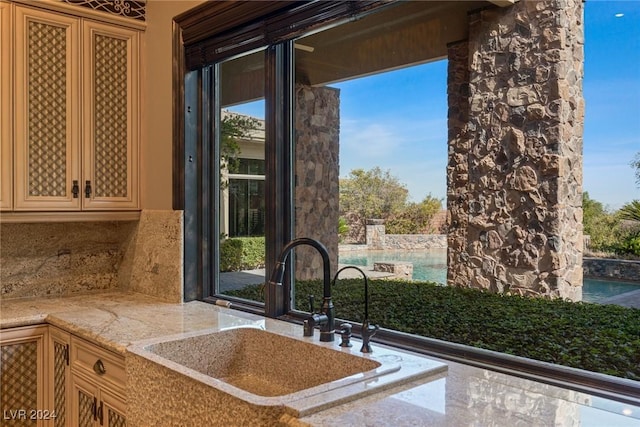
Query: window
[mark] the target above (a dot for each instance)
(246, 211)
(296, 65)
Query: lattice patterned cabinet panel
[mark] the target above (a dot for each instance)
(113, 411)
(60, 358)
(46, 115)
(92, 405)
(19, 366)
(84, 402)
(76, 113)
(111, 139)
(86, 409)
(59, 376)
(22, 376)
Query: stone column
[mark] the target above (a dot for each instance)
(317, 129)
(375, 232)
(458, 164)
(515, 195)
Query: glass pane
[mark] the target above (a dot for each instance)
(370, 152)
(241, 178)
(246, 208)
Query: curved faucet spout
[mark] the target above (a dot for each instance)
(368, 330)
(277, 276)
(366, 286)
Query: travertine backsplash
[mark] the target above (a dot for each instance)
(44, 259)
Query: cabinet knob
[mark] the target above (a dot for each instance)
(99, 368)
(75, 189)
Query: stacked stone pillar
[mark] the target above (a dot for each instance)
(317, 127)
(515, 150)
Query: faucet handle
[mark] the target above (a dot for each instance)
(345, 334)
(311, 303)
(368, 330)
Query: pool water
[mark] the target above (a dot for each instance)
(431, 265)
(594, 290)
(428, 265)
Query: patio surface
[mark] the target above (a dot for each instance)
(628, 299)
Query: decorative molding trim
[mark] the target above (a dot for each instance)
(24, 217)
(128, 8)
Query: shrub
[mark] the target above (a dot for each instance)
(242, 253)
(343, 228)
(630, 244)
(253, 252)
(602, 226)
(230, 255)
(414, 218)
(599, 338)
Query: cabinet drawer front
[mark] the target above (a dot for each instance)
(100, 366)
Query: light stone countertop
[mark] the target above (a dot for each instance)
(464, 396)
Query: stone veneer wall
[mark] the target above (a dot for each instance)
(378, 239)
(515, 150)
(317, 176)
(607, 268)
(56, 259)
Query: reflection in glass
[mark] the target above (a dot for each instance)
(241, 226)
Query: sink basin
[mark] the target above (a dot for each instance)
(267, 364)
(262, 374)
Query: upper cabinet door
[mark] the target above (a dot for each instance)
(46, 132)
(110, 142)
(6, 125)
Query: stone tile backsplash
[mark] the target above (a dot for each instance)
(46, 259)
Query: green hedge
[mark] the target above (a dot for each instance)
(599, 338)
(242, 253)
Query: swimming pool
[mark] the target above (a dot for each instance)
(431, 265)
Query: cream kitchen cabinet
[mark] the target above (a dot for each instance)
(6, 101)
(23, 377)
(59, 375)
(98, 382)
(76, 113)
(86, 383)
(94, 406)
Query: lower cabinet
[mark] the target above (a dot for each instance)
(59, 375)
(93, 406)
(22, 377)
(49, 377)
(98, 382)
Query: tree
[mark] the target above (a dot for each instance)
(233, 128)
(635, 163)
(415, 218)
(602, 226)
(372, 194)
(630, 211)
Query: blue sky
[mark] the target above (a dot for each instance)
(407, 134)
(612, 94)
(398, 120)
